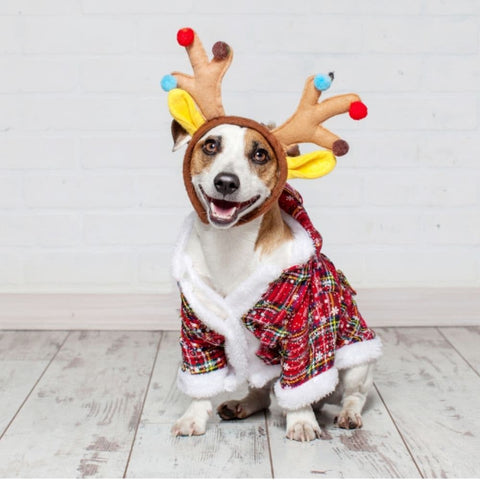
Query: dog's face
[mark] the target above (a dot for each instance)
(233, 171)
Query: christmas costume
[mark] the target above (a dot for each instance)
(301, 324)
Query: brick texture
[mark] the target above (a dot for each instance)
(91, 197)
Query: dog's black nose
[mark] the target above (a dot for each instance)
(226, 183)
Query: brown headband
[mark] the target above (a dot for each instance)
(269, 137)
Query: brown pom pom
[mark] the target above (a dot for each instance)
(340, 147)
(220, 51)
(293, 151)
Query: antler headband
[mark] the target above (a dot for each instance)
(196, 100)
(304, 126)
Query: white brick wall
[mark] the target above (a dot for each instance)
(91, 196)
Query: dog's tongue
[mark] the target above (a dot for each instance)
(223, 210)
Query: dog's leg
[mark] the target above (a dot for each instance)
(357, 382)
(302, 425)
(257, 399)
(194, 420)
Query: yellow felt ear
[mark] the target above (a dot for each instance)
(183, 109)
(311, 165)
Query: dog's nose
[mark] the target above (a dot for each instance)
(226, 183)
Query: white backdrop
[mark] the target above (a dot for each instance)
(91, 195)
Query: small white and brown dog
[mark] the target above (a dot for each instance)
(260, 303)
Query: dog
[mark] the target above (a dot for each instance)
(260, 302)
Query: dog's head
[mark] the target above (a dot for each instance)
(234, 169)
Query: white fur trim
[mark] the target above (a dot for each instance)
(260, 376)
(357, 353)
(235, 342)
(202, 385)
(311, 391)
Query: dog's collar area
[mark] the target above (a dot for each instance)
(277, 148)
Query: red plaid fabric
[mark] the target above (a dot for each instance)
(300, 320)
(202, 348)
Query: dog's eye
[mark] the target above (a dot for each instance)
(210, 147)
(260, 156)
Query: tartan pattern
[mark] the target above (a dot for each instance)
(202, 349)
(301, 320)
(301, 324)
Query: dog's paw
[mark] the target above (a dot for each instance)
(304, 432)
(349, 420)
(231, 410)
(189, 426)
(302, 425)
(194, 420)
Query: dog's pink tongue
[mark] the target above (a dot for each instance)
(223, 213)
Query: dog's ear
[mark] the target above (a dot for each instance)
(180, 136)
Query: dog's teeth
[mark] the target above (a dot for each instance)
(221, 212)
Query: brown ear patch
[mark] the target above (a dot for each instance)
(268, 172)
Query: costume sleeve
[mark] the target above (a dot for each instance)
(202, 348)
(308, 351)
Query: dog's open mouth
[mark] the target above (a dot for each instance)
(223, 212)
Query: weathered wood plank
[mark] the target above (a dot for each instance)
(81, 418)
(466, 341)
(432, 395)
(23, 358)
(375, 451)
(228, 449)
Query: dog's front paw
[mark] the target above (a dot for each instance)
(302, 425)
(304, 432)
(188, 426)
(349, 420)
(194, 420)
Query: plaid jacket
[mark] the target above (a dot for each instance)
(303, 321)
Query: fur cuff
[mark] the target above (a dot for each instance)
(202, 385)
(309, 392)
(358, 353)
(260, 378)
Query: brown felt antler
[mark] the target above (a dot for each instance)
(205, 84)
(305, 125)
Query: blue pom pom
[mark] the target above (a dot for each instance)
(169, 82)
(322, 82)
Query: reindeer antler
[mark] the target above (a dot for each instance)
(205, 84)
(305, 125)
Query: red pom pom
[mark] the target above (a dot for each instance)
(185, 36)
(358, 110)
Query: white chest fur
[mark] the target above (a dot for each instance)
(226, 258)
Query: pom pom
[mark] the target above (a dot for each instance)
(340, 147)
(322, 82)
(185, 36)
(168, 82)
(220, 51)
(358, 110)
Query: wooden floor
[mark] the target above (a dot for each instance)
(101, 404)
